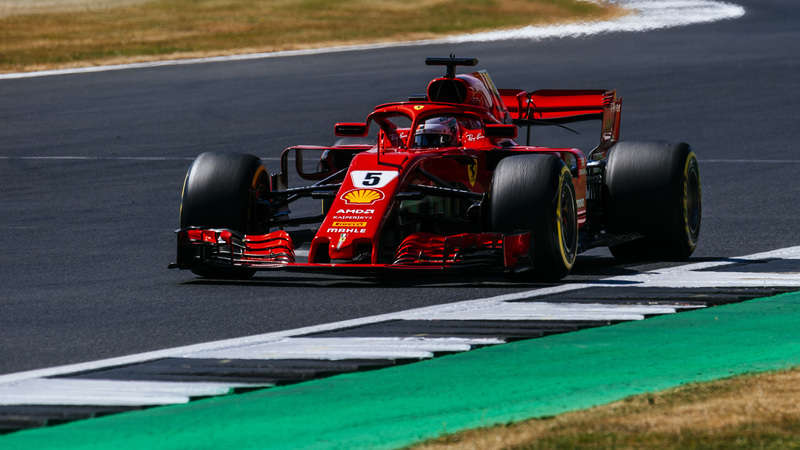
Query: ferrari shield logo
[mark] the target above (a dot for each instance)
(472, 171)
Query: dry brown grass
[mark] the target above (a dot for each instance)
(756, 411)
(21, 7)
(41, 34)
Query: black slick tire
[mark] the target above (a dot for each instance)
(535, 193)
(218, 192)
(653, 188)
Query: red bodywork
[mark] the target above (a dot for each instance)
(370, 209)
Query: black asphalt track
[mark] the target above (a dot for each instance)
(91, 167)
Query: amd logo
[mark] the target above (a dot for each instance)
(355, 211)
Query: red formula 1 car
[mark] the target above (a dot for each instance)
(441, 184)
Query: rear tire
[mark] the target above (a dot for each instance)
(653, 188)
(535, 193)
(219, 192)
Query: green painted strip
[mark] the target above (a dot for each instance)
(399, 406)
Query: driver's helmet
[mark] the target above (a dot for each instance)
(437, 132)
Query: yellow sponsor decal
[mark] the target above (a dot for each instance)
(349, 224)
(418, 107)
(472, 171)
(362, 196)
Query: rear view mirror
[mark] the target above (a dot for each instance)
(351, 129)
(317, 163)
(501, 131)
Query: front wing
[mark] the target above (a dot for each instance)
(222, 248)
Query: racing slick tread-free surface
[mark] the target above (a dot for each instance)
(535, 193)
(653, 189)
(216, 192)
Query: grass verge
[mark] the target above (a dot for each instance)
(751, 411)
(78, 34)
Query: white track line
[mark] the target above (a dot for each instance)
(555, 311)
(104, 392)
(346, 348)
(720, 279)
(647, 15)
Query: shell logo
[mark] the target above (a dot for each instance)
(362, 196)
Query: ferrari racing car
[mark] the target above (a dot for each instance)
(439, 183)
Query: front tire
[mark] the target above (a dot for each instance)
(536, 193)
(653, 188)
(220, 191)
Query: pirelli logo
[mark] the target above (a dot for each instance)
(350, 224)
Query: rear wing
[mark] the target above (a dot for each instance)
(563, 106)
